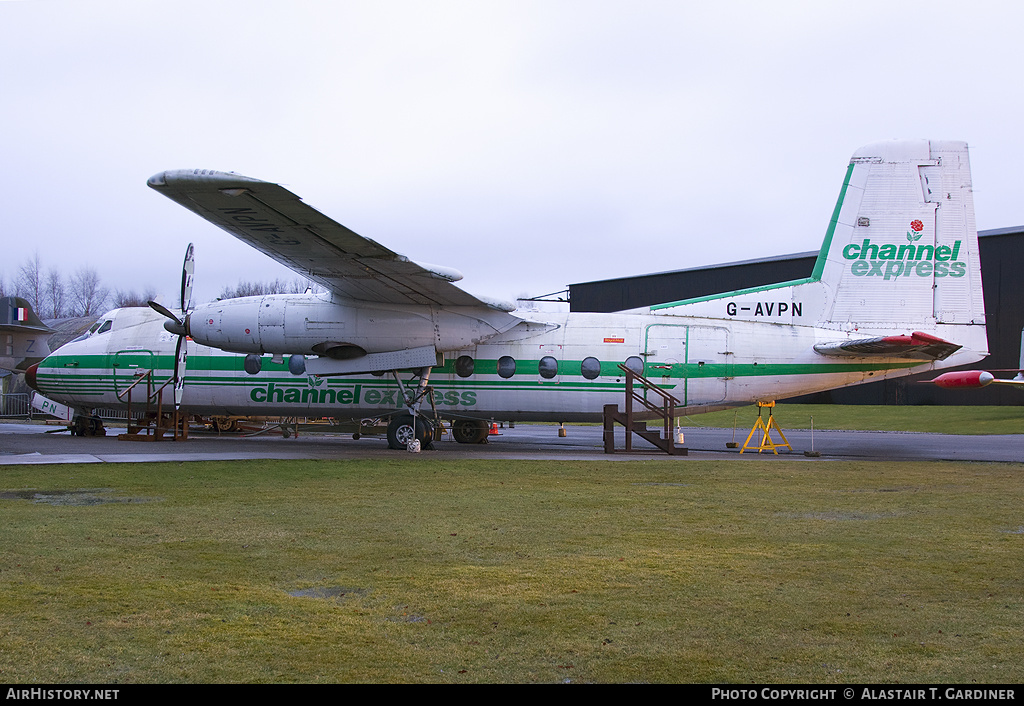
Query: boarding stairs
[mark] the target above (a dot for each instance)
(154, 422)
(654, 403)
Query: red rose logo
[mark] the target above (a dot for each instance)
(917, 226)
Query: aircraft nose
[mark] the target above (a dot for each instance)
(30, 376)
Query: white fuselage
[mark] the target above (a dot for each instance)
(544, 367)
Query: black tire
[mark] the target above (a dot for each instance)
(400, 432)
(469, 431)
(223, 424)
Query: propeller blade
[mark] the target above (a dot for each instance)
(180, 361)
(161, 309)
(188, 269)
(173, 323)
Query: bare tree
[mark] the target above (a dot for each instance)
(276, 286)
(29, 282)
(88, 296)
(55, 294)
(129, 297)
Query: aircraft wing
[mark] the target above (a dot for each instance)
(277, 223)
(917, 346)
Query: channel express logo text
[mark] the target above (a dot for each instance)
(905, 260)
(320, 395)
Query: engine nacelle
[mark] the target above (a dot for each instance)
(309, 324)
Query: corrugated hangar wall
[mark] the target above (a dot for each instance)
(1002, 252)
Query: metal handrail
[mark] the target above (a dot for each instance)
(153, 395)
(668, 400)
(139, 378)
(666, 411)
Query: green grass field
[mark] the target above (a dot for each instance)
(418, 570)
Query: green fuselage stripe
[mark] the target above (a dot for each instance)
(84, 373)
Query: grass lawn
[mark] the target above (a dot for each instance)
(417, 570)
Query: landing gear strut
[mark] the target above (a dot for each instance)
(410, 430)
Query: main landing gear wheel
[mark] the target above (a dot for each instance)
(400, 432)
(470, 431)
(224, 424)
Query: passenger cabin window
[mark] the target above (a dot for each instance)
(591, 368)
(636, 364)
(506, 366)
(548, 367)
(464, 366)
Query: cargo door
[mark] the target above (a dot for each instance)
(708, 364)
(128, 366)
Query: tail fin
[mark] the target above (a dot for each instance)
(22, 335)
(900, 256)
(902, 248)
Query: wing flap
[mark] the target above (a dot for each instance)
(277, 223)
(916, 346)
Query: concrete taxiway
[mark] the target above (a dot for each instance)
(29, 443)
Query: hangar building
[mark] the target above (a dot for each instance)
(1002, 255)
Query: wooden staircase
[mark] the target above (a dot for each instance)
(153, 423)
(640, 389)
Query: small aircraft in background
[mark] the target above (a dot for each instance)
(982, 378)
(896, 290)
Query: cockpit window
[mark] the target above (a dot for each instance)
(106, 324)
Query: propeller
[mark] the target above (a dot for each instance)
(178, 326)
(173, 324)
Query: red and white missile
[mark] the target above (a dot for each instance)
(964, 378)
(971, 378)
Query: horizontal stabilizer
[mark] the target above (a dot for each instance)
(54, 409)
(918, 346)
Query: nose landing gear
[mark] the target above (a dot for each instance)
(88, 425)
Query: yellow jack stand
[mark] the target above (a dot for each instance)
(766, 439)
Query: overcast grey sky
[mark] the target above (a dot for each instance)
(527, 144)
